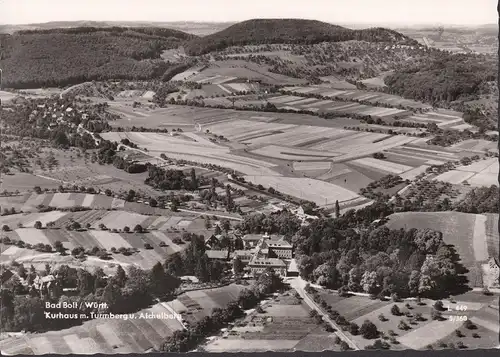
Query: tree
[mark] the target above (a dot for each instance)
(237, 265)
(368, 330)
(344, 346)
(438, 305)
(126, 229)
(395, 310)
(85, 282)
(38, 225)
(120, 277)
(403, 325)
(436, 315)
(354, 329)
(337, 209)
(138, 229)
(5, 228)
(37, 190)
(162, 283)
(153, 202)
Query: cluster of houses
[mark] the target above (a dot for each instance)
(260, 252)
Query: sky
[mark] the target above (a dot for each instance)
(459, 12)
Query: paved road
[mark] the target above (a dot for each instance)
(299, 284)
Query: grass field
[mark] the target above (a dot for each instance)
(320, 192)
(465, 231)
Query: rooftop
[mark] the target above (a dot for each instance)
(217, 254)
(271, 262)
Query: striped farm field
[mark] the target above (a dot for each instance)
(311, 166)
(454, 177)
(476, 145)
(300, 135)
(32, 236)
(382, 165)
(285, 153)
(320, 192)
(108, 240)
(120, 219)
(413, 173)
(241, 128)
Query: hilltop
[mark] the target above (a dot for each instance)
(292, 31)
(59, 57)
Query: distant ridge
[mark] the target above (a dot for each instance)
(298, 31)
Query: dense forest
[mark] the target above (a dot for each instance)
(59, 57)
(445, 78)
(292, 31)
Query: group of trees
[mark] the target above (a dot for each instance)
(58, 57)
(444, 78)
(167, 179)
(378, 260)
(126, 292)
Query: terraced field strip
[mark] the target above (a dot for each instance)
(411, 174)
(163, 237)
(32, 236)
(315, 165)
(109, 240)
(304, 89)
(120, 219)
(382, 165)
(292, 154)
(111, 338)
(302, 101)
(46, 217)
(479, 166)
(251, 132)
(454, 177)
(283, 99)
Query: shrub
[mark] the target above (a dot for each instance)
(395, 310)
(403, 325)
(354, 328)
(438, 305)
(369, 330)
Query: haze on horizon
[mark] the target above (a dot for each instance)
(396, 12)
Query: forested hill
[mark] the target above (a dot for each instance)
(59, 57)
(296, 31)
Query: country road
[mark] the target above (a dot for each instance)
(299, 284)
